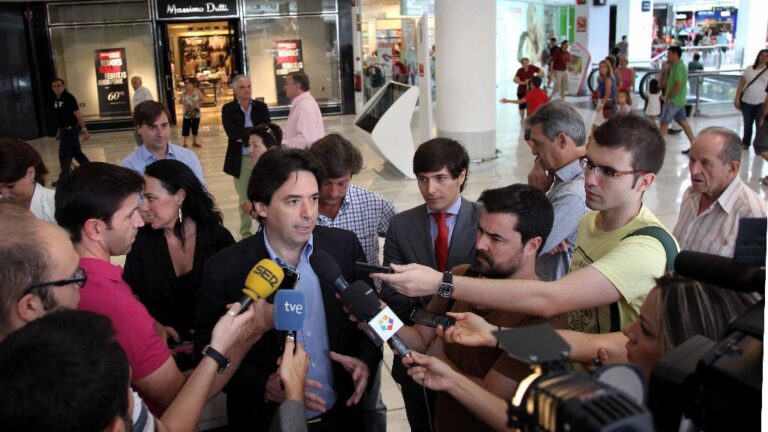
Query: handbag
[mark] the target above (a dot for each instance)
(751, 82)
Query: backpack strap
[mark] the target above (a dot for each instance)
(670, 249)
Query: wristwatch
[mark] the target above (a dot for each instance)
(218, 357)
(445, 288)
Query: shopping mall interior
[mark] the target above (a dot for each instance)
(350, 50)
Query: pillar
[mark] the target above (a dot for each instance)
(751, 26)
(637, 24)
(465, 74)
(595, 37)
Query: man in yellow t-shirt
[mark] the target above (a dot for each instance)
(623, 157)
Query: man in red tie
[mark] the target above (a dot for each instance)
(440, 234)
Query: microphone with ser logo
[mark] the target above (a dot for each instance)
(262, 280)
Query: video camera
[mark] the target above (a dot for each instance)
(718, 385)
(553, 399)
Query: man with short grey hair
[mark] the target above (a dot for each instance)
(558, 138)
(236, 117)
(140, 94)
(717, 198)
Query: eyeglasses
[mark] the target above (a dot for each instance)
(78, 277)
(605, 171)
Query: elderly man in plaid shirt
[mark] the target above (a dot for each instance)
(367, 214)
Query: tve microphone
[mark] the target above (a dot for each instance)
(381, 324)
(327, 270)
(262, 280)
(289, 311)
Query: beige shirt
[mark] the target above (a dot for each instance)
(714, 230)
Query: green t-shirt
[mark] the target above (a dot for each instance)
(630, 264)
(678, 73)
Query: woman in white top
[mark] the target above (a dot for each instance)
(750, 94)
(192, 97)
(22, 179)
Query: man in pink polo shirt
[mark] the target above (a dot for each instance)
(98, 204)
(305, 123)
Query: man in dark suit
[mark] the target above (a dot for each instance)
(284, 191)
(236, 117)
(439, 233)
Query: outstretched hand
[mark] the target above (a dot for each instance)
(430, 372)
(469, 330)
(412, 280)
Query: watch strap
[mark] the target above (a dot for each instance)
(218, 357)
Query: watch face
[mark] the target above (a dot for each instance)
(445, 289)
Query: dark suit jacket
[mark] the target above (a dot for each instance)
(409, 241)
(149, 272)
(223, 279)
(233, 120)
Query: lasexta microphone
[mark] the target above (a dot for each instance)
(262, 280)
(290, 311)
(327, 270)
(381, 323)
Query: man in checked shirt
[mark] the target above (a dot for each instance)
(365, 213)
(557, 140)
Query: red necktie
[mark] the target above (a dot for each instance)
(441, 242)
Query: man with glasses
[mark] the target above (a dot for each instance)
(613, 263)
(39, 273)
(237, 116)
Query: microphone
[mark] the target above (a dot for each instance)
(289, 311)
(381, 324)
(327, 270)
(363, 302)
(262, 280)
(720, 271)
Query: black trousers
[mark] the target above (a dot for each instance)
(69, 148)
(751, 115)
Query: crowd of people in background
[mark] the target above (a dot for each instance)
(88, 345)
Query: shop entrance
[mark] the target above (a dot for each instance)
(205, 53)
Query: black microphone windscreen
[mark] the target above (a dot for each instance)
(362, 299)
(720, 271)
(325, 267)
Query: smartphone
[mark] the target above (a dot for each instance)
(290, 279)
(371, 268)
(431, 319)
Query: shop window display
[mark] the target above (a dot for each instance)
(97, 62)
(277, 46)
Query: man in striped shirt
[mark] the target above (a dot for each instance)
(558, 139)
(365, 213)
(717, 198)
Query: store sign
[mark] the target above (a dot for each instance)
(581, 24)
(112, 82)
(174, 9)
(287, 59)
(646, 5)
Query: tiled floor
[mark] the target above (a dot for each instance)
(512, 166)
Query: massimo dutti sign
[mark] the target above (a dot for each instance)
(183, 9)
